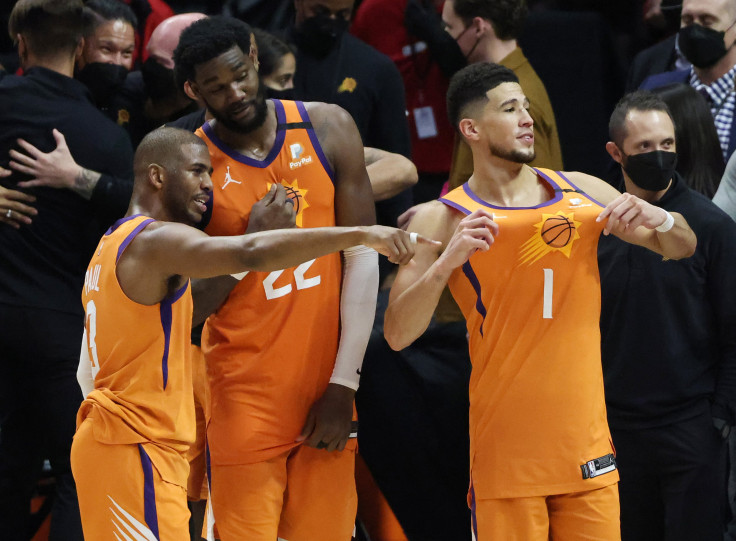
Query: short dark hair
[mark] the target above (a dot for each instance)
(163, 146)
(271, 51)
(103, 11)
(699, 155)
(49, 27)
(471, 84)
(206, 39)
(506, 16)
(640, 100)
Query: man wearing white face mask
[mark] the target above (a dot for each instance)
(668, 347)
(706, 39)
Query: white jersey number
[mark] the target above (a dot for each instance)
(301, 281)
(547, 295)
(91, 325)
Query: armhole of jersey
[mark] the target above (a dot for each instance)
(453, 204)
(315, 142)
(123, 245)
(584, 194)
(558, 178)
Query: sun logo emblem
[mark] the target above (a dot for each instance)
(297, 196)
(555, 233)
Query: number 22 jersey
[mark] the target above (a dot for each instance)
(271, 347)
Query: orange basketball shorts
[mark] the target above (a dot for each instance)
(121, 495)
(305, 494)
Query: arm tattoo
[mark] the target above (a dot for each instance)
(85, 182)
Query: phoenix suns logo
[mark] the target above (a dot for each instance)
(554, 233)
(297, 196)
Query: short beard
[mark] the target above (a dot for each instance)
(516, 156)
(245, 127)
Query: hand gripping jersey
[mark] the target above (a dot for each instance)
(532, 305)
(140, 361)
(271, 347)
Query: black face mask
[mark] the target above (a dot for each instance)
(286, 94)
(319, 34)
(651, 170)
(702, 46)
(103, 80)
(158, 79)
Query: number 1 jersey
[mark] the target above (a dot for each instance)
(532, 305)
(271, 347)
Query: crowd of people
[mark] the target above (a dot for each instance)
(333, 269)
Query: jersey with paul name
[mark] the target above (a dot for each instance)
(140, 360)
(271, 347)
(532, 305)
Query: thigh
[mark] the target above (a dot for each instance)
(320, 503)
(121, 493)
(246, 499)
(640, 491)
(585, 516)
(694, 485)
(510, 519)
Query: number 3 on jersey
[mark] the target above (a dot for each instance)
(301, 281)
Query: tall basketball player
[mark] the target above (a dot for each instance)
(520, 261)
(284, 351)
(137, 421)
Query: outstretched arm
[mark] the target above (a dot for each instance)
(418, 285)
(634, 220)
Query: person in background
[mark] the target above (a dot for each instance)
(725, 197)
(667, 343)
(699, 156)
(107, 55)
(47, 230)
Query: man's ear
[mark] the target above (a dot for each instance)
(191, 90)
(468, 129)
(22, 48)
(482, 26)
(615, 152)
(156, 175)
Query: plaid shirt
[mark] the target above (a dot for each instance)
(722, 98)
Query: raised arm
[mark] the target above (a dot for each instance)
(635, 221)
(389, 173)
(419, 284)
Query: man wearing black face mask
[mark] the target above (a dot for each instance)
(107, 55)
(668, 346)
(706, 39)
(334, 67)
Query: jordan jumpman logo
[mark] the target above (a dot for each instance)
(229, 179)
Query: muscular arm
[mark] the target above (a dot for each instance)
(389, 173)
(419, 284)
(634, 220)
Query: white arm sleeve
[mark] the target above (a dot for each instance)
(357, 312)
(84, 371)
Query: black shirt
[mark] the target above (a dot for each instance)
(44, 263)
(668, 328)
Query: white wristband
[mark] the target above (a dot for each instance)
(665, 226)
(413, 237)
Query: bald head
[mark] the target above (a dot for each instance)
(165, 37)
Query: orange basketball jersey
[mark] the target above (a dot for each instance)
(532, 305)
(140, 361)
(271, 347)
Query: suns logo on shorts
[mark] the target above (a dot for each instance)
(555, 233)
(298, 197)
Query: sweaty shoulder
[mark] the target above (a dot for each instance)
(595, 187)
(333, 125)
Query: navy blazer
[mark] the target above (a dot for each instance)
(683, 76)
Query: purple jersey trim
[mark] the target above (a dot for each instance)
(120, 222)
(555, 199)
(456, 206)
(581, 191)
(473, 511)
(131, 236)
(237, 156)
(165, 309)
(470, 274)
(315, 142)
(149, 493)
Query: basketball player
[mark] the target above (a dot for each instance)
(285, 349)
(136, 423)
(520, 260)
